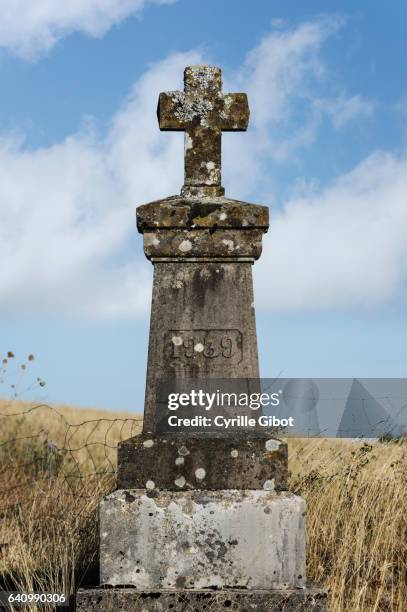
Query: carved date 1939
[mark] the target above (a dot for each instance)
(198, 344)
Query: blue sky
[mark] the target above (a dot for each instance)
(80, 149)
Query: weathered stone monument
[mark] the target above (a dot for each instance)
(201, 520)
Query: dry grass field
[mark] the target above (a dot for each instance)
(56, 464)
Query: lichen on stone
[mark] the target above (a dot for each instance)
(187, 109)
(203, 76)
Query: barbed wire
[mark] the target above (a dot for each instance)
(63, 450)
(39, 444)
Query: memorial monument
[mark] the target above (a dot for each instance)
(201, 520)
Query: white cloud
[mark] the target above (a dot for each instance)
(340, 247)
(283, 67)
(30, 27)
(290, 94)
(67, 212)
(68, 241)
(401, 104)
(342, 110)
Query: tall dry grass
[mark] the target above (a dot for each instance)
(356, 520)
(57, 463)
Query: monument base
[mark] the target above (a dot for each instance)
(197, 539)
(310, 599)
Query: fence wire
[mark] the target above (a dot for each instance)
(39, 446)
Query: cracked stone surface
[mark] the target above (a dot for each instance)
(201, 212)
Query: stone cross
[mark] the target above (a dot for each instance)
(201, 520)
(203, 112)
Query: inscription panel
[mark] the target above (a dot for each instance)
(202, 347)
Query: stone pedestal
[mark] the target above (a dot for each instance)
(202, 550)
(202, 540)
(202, 315)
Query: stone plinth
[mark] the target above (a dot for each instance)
(238, 461)
(311, 599)
(202, 539)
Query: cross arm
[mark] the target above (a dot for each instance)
(168, 111)
(235, 114)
